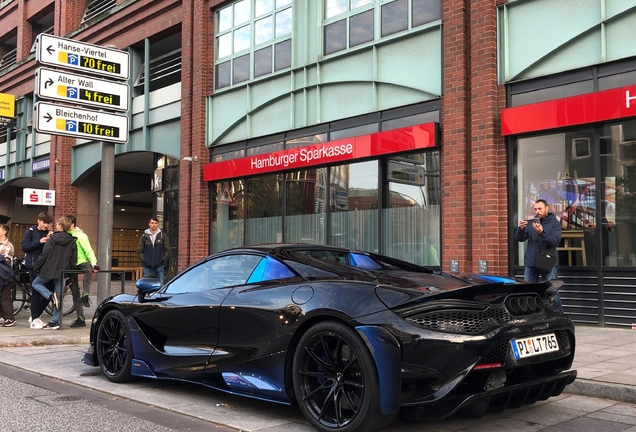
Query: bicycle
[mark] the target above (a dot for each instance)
(21, 291)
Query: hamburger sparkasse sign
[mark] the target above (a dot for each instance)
(345, 150)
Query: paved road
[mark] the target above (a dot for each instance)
(32, 402)
(562, 414)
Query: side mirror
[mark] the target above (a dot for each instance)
(145, 286)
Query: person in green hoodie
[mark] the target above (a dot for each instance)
(86, 261)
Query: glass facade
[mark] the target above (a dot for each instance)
(349, 23)
(388, 204)
(253, 38)
(594, 201)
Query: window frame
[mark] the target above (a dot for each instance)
(253, 47)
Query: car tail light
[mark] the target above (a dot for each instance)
(488, 366)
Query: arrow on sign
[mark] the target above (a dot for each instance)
(50, 49)
(48, 117)
(48, 83)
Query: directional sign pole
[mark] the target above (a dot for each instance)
(107, 195)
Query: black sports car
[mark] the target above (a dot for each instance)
(352, 337)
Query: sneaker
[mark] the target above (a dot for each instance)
(30, 319)
(78, 323)
(86, 301)
(8, 323)
(37, 324)
(51, 326)
(1, 321)
(55, 300)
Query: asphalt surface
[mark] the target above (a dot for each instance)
(604, 360)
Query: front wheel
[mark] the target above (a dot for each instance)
(114, 347)
(336, 381)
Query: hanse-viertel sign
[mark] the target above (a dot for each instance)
(81, 56)
(349, 149)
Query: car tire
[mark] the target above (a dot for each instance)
(114, 347)
(336, 382)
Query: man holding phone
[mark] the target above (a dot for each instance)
(543, 233)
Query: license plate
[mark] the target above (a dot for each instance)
(535, 345)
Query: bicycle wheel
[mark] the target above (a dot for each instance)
(19, 297)
(67, 303)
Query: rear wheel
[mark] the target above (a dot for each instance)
(336, 382)
(114, 347)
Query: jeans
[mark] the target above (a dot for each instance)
(531, 274)
(157, 271)
(38, 308)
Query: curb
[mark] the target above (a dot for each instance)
(73, 340)
(612, 391)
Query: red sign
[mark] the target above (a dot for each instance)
(576, 110)
(345, 150)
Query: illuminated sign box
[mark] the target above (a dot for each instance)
(38, 197)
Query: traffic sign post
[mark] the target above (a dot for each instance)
(81, 90)
(80, 56)
(80, 123)
(77, 122)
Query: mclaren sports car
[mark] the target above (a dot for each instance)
(354, 338)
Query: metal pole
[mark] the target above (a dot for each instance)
(107, 195)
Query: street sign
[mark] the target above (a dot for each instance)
(7, 109)
(69, 54)
(81, 90)
(80, 123)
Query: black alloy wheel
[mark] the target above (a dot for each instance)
(335, 380)
(114, 349)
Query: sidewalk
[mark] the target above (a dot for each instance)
(605, 356)
(22, 335)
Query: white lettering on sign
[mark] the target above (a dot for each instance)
(304, 155)
(75, 115)
(307, 155)
(628, 98)
(85, 49)
(273, 161)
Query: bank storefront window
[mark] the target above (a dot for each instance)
(228, 214)
(353, 189)
(597, 210)
(618, 194)
(411, 223)
(306, 206)
(264, 209)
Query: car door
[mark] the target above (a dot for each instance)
(181, 321)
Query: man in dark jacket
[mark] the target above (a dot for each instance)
(33, 241)
(544, 235)
(59, 254)
(153, 250)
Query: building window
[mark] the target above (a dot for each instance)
(253, 39)
(97, 7)
(9, 50)
(349, 23)
(164, 68)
